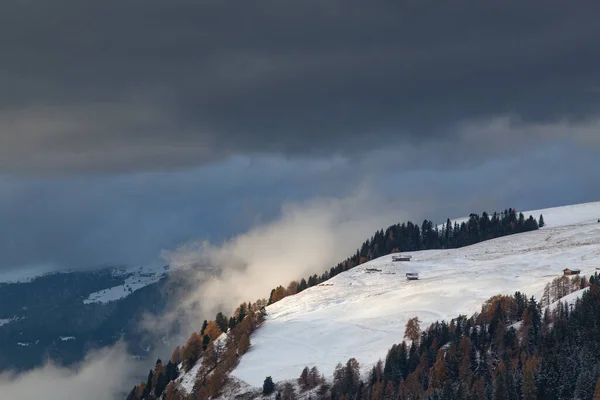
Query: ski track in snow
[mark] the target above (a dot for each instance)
(362, 314)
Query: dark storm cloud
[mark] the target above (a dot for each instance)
(86, 222)
(122, 85)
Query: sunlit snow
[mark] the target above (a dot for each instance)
(361, 313)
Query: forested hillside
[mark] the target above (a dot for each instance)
(217, 357)
(512, 349)
(410, 237)
(49, 317)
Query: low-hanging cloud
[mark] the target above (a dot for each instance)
(307, 238)
(104, 374)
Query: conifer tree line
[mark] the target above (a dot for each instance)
(412, 237)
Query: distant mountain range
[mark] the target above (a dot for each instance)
(64, 314)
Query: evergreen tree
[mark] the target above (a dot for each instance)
(541, 222)
(132, 395)
(268, 386)
(205, 341)
(161, 384)
(521, 223)
(529, 387)
(500, 385)
(171, 371)
(242, 313)
(222, 322)
(148, 387)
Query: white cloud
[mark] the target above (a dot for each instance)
(307, 238)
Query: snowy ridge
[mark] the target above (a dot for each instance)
(135, 280)
(561, 216)
(361, 313)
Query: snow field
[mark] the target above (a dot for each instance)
(362, 313)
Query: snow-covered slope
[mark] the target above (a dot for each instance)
(362, 312)
(569, 299)
(134, 279)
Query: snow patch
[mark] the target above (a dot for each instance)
(189, 378)
(570, 299)
(134, 281)
(67, 338)
(6, 321)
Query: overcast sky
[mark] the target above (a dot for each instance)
(130, 127)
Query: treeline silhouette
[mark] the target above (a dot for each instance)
(412, 237)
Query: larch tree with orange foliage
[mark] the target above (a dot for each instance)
(172, 393)
(378, 390)
(176, 356)
(292, 288)
(277, 294)
(389, 392)
(212, 330)
(464, 369)
(191, 351)
(215, 383)
(438, 374)
(244, 344)
(413, 330)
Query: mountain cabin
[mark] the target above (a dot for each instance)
(401, 258)
(412, 276)
(568, 271)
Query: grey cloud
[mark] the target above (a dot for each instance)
(88, 221)
(141, 84)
